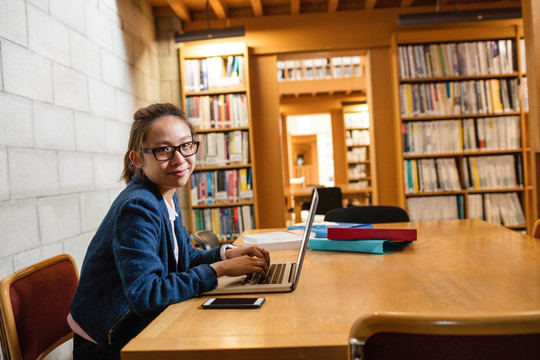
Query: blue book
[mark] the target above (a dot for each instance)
(364, 246)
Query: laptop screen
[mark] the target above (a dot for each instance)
(305, 237)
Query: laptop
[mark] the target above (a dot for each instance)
(282, 276)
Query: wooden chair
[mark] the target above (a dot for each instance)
(34, 304)
(411, 336)
(372, 214)
(536, 229)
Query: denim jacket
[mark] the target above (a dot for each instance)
(130, 274)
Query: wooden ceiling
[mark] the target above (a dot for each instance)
(195, 10)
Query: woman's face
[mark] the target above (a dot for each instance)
(170, 174)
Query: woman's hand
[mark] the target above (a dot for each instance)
(252, 250)
(242, 261)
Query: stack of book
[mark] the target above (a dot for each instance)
(362, 239)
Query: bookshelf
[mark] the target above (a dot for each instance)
(465, 151)
(215, 84)
(359, 146)
(321, 73)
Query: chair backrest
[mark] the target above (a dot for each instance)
(372, 214)
(329, 198)
(34, 303)
(205, 239)
(536, 229)
(386, 336)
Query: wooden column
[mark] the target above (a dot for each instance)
(267, 140)
(531, 27)
(380, 101)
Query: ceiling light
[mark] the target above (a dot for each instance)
(434, 18)
(208, 34)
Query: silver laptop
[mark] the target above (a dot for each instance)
(281, 277)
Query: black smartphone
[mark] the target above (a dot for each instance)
(233, 303)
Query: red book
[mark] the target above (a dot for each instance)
(341, 233)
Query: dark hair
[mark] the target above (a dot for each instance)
(142, 120)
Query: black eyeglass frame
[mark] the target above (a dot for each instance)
(178, 148)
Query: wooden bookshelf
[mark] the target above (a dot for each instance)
(359, 147)
(465, 151)
(216, 97)
(321, 73)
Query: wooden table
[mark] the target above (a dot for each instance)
(352, 193)
(459, 266)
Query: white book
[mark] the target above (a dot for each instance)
(275, 240)
(510, 55)
(516, 205)
(503, 56)
(522, 56)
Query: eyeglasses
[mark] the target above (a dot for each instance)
(164, 153)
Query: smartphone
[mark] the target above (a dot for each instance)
(233, 303)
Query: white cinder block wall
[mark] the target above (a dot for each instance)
(72, 72)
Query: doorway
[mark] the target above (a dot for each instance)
(311, 156)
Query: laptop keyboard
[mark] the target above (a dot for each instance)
(273, 276)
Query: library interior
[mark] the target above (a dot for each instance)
(413, 121)
(430, 116)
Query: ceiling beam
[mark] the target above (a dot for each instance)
(180, 9)
(257, 8)
(370, 4)
(295, 7)
(220, 8)
(406, 3)
(333, 5)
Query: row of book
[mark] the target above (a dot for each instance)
(436, 208)
(457, 59)
(479, 173)
(357, 154)
(357, 171)
(223, 148)
(214, 73)
(227, 222)
(485, 96)
(431, 175)
(319, 68)
(458, 135)
(218, 111)
(500, 209)
(492, 172)
(356, 120)
(357, 137)
(221, 186)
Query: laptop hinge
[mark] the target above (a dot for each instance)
(293, 271)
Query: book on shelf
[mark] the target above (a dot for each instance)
(469, 58)
(356, 119)
(427, 208)
(213, 73)
(525, 93)
(496, 208)
(226, 222)
(464, 97)
(431, 175)
(223, 148)
(221, 111)
(493, 172)
(458, 135)
(221, 186)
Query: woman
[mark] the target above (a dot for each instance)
(141, 259)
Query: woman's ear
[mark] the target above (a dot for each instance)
(135, 159)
